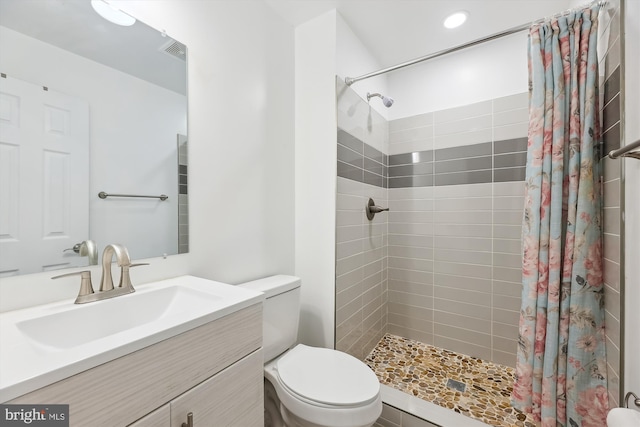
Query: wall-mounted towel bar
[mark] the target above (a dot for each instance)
(626, 151)
(104, 195)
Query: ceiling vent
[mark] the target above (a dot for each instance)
(175, 49)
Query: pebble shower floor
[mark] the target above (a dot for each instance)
(433, 374)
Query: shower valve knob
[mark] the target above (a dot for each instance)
(371, 209)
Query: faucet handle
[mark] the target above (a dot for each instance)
(125, 278)
(139, 264)
(86, 288)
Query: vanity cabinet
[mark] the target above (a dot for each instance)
(214, 371)
(161, 417)
(230, 398)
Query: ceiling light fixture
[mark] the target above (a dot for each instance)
(456, 19)
(112, 13)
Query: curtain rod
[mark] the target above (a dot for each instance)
(351, 80)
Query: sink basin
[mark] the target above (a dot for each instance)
(89, 322)
(44, 344)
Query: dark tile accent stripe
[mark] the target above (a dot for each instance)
(350, 141)
(510, 145)
(463, 165)
(349, 156)
(359, 161)
(612, 86)
(510, 160)
(373, 179)
(374, 167)
(611, 113)
(474, 177)
(409, 170)
(183, 179)
(411, 181)
(411, 158)
(373, 154)
(475, 150)
(509, 174)
(611, 138)
(348, 171)
(469, 164)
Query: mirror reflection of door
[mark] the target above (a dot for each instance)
(44, 178)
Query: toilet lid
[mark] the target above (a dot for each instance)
(327, 376)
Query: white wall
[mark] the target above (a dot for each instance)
(315, 176)
(354, 59)
(133, 127)
(241, 110)
(632, 201)
(490, 70)
(325, 47)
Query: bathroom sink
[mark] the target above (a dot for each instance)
(44, 344)
(90, 322)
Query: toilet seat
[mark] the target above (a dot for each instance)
(326, 377)
(300, 401)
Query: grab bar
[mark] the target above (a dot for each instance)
(104, 195)
(626, 151)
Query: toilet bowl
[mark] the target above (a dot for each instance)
(309, 386)
(323, 387)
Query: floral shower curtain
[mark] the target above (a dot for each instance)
(561, 365)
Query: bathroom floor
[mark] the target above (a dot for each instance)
(467, 385)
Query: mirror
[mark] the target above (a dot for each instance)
(88, 106)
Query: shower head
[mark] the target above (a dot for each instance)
(388, 102)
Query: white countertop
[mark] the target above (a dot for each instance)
(34, 357)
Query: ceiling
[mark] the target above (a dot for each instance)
(396, 31)
(73, 25)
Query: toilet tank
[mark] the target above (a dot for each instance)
(280, 315)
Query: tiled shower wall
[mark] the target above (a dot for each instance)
(455, 190)
(609, 56)
(454, 227)
(361, 245)
(455, 181)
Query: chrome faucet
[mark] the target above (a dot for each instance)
(123, 260)
(106, 290)
(86, 248)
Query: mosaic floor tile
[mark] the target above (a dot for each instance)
(436, 375)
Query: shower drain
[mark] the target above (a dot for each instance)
(456, 385)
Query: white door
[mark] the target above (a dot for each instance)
(44, 178)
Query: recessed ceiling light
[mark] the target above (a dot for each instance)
(455, 19)
(112, 13)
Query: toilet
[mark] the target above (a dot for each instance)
(309, 386)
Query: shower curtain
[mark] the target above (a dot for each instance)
(561, 365)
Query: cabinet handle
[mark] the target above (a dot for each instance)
(189, 422)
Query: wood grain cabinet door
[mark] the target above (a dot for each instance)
(161, 417)
(233, 397)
